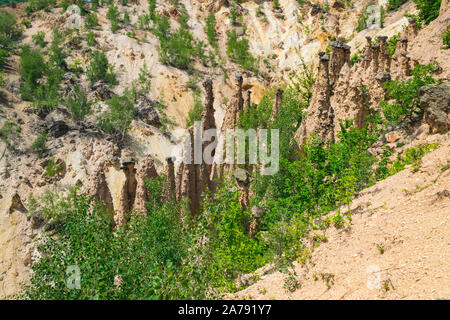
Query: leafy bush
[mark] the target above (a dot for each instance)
(52, 168)
(153, 257)
(32, 67)
(428, 9)
(91, 21)
(392, 43)
(120, 114)
(113, 15)
(446, 38)
(90, 39)
(210, 29)
(100, 69)
(230, 249)
(405, 95)
(9, 31)
(78, 104)
(238, 52)
(39, 144)
(395, 4)
(195, 114)
(176, 48)
(412, 156)
(39, 39)
(37, 5)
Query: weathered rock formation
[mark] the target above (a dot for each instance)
(146, 170)
(193, 179)
(98, 188)
(435, 99)
(128, 194)
(345, 92)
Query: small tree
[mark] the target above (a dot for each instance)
(100, 69)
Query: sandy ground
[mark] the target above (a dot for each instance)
(398, 245)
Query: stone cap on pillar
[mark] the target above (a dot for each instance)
(340, 44)
(126, 162)
(323, 56)
(171, 159)
(207, 83)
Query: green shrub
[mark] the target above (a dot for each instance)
(100, 69)
(119, 115)
(210, 29)
(9, 31)
(446, 38)
(428, 9)
(392, 43)
(176, 48)
(238, 52)
(39, 144)
(78, 104)
(362, 20)
(91, 21)
(113, 15)
(405, 95)
(412, 156)
(52, 169)
(195, 114)
(90, 39)
(126, 18)
(37, 5)
(395, 4)
(39, 39)
(32, 67)
(153, 257)
(231, 251)
(57, 52)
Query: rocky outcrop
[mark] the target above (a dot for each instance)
(243, 180)
(98, 188)
(320, 117)
(146, 170)
(193, 179)
(435, 99)
(146, 112)
(278, 100)
(128, 194)
(235, 105)
(345, 92)
(340, 55)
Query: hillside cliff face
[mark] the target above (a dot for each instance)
(114, 169)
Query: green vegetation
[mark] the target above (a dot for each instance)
(117, 119)
(113, 264)
(210, 29)
(9, 33)
(78, 104)
(52, 168)
(39, 144)
(392, 43)
(395, 4)
(238, 52)
(446, 38)
(113, 16)
(362, 20)
(412, 156)
(405, 95)
(100, 69)
(428, 9)
(91, 21)
(39, 39)
(355, 57)
(90, 39)
(37, 5)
